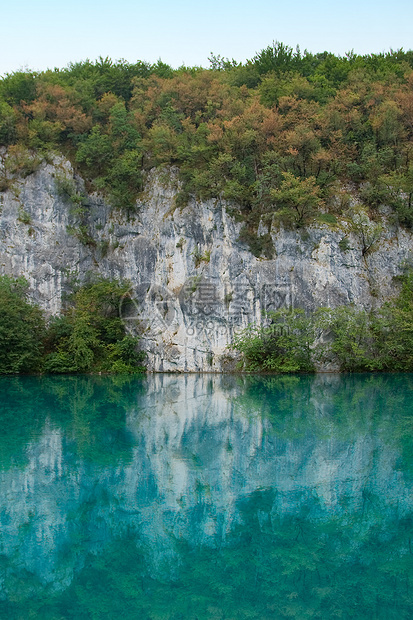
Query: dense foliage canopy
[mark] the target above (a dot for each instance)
(258, 134)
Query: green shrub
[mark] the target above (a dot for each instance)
(352, 338)
(24, 217)
(282, 346)
(200, 257)
(344, 244)
(21, 162)
(90, 336)
(327, 218)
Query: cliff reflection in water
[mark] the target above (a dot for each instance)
(206, 497)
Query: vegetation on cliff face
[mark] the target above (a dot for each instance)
(347, 337)
(89, 336)
(277, 137)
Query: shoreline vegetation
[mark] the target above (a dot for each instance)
(287, 138)
(90, 337)
(346, 338)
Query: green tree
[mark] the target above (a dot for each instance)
(399, 185)
(8, 131)
(22, 328)
(394, 329)
(19, 87)
(367, 232)
(297, 200)
(95, 152)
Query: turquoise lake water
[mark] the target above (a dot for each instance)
(203, 497)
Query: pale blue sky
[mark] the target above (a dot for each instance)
(41, 34)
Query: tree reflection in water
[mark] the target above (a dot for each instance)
(202, 497)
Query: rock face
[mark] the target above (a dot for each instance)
(193, 283)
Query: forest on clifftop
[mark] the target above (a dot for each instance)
(287, 136)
